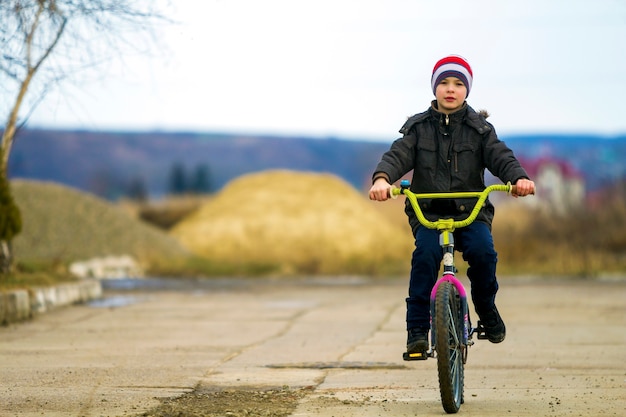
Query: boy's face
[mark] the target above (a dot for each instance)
(450, 94)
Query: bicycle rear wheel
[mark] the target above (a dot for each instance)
(448, 345)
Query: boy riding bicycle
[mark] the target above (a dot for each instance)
(448, 147)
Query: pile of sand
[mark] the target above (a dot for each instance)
(61, 224)
(300, 222)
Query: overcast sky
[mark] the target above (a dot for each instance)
(359, 68)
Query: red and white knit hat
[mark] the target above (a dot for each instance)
(452, 66)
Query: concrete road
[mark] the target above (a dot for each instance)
(565, 352)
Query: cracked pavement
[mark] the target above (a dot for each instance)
(342, 338)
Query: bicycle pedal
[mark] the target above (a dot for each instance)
(415, 356)
(480, 331)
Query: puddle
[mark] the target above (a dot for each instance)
(170, 284)
(150, 284)
(115, 301)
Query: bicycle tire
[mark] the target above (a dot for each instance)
(448, 345)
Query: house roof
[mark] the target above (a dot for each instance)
(535, 165)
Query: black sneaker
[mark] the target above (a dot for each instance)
(417, 340)
(495, 330)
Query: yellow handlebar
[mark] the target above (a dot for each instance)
(450, 224)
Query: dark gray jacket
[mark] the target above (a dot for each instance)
(449, 154)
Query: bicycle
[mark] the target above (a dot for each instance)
(451, 328)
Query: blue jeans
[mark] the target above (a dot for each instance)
(476, 244)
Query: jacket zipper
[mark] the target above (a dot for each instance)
(456, 161)
(450, 147)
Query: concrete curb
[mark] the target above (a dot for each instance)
(19, 305)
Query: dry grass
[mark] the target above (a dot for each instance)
(62, 225)
(311, 223)
(586, 243)
(302, 223)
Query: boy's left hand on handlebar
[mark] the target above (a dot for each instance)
(524, 187)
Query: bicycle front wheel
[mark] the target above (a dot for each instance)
(449, 346)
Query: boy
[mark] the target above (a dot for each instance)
(448, 147)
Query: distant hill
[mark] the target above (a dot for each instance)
(109, 164)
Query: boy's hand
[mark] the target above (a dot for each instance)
(380, 190)
(524, 187)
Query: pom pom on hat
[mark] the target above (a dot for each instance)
(452, 66)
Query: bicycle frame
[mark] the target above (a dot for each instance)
(446, 240)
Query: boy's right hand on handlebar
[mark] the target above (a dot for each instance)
(380, 190)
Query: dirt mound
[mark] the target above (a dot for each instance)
(61, 224)
(300, 222)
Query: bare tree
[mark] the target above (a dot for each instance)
(45, 42)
